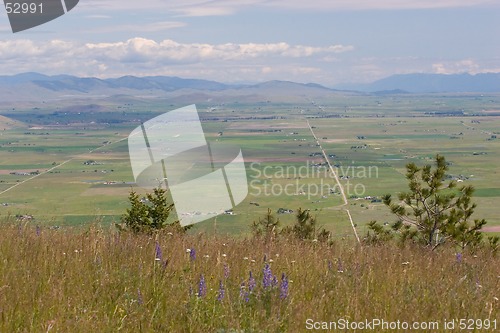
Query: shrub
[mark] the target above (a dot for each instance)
(306, 228)
(267, 227)
(148, 215)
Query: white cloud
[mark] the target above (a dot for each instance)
(141, 56)
(230, 62)
(171, 51)
(455, 67)
(25, 50)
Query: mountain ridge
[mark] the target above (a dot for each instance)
(432, 83)
(34, 86)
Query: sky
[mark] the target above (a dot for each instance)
(330, 42)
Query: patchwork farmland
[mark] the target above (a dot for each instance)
(66, 162)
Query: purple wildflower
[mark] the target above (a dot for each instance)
(284, 286)
(243, 293)
(192, 254)
(202, 287)
(330, 265)
(274, 282)
(38, 230)
(268, 276)
(459, 257)
(340, 268)
(139, 297)
(220, 296)
(158, 252)
(226, 271)
(251, 282)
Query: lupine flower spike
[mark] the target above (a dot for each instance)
(340, 268)
(243, 293)
(251, 283)
(284, 286)
(222, 292)
(158, 252)
(202, 288)
(268, 277)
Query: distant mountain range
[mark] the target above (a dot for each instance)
(39, 87)
(429, 83)
(69, 82)
(35, 86)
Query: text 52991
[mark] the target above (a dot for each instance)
(24, 7)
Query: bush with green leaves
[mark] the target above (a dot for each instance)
(304, 228)
(432, 212)
(148, 214)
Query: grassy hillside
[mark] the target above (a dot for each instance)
(100, 281)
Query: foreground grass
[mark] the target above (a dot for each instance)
(100, 281)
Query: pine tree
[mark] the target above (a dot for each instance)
(267, 227)
(147, 215)
(434, 212)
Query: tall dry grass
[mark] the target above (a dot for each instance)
(102, 281)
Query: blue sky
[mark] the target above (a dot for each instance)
(323, 41)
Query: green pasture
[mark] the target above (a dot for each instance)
(369, 140)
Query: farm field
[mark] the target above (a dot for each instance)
(66, 163)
